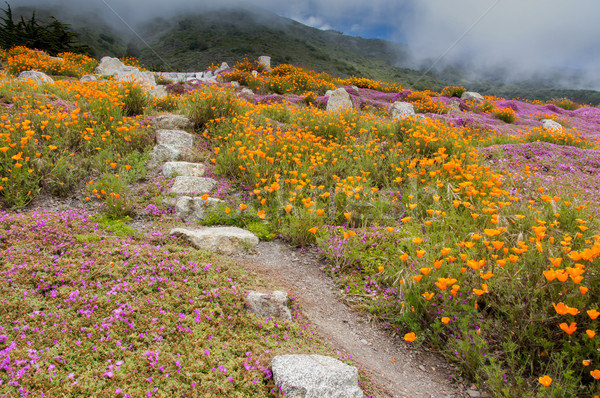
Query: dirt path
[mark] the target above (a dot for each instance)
(397, 369)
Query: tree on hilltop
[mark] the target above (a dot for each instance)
(53, 37)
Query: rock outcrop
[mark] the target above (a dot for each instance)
(471, 96)
(37, 77)
(339, 100)
(124, 73)
(402, 110)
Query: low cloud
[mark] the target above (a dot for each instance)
(520, 38)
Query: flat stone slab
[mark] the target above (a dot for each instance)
(190, 209)
(171, 122)
(179, 139)
(189, 186)
(163, 153)
(315, 376)
(225, 240)
(269, 305)
(185, 169)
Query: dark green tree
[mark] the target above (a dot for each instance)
(53, 37)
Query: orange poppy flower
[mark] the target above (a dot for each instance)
(569, 329)
(545, 381)
(410, 337)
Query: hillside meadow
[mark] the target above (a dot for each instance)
(473, 231)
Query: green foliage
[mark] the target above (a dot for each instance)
(564, 103)
(54, 37)
(134, 100)
(507, 115)
(202, 110)
(262, 230)
(453, 91)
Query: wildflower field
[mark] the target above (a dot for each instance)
(472, 231)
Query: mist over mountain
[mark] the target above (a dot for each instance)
(434, 44)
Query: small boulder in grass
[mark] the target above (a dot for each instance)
(315, 376)
(269, 305)
(402, 110)
(265, 60)
(339, 100)
(472, 96)
(37, 77)
(551, 125)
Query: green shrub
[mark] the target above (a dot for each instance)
(134, 100)
(453, 91)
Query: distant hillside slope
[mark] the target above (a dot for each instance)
(192, 42)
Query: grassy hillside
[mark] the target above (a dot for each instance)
(193, 42)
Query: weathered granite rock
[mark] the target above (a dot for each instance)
(159, 92)
(471, 96)
(193, 208)
(224, 66)
(124, 73)
(185, 169)
(88, 78)
(189, 186)
(226, 240)
(130, 74)
(402, 110)
(255, 73)
(339, 100)
(454, 106)
(163, 153)
(247, 91)
(315, 376)
(179, 139)
(552, 125)
(109, 66)
(265, 60)
(274, 305)
(171, 122)
(37, 77)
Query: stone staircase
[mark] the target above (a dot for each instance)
(174, 147)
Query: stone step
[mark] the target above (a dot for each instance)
(191, 186)
(185, 169)
(190, 208)
(170, 122)
(179, 139)
(314, 376)
(224, 240)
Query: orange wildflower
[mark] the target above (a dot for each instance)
(569, 329)
(545, 381)
(410, 337)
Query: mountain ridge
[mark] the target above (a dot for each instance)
(193, 41)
